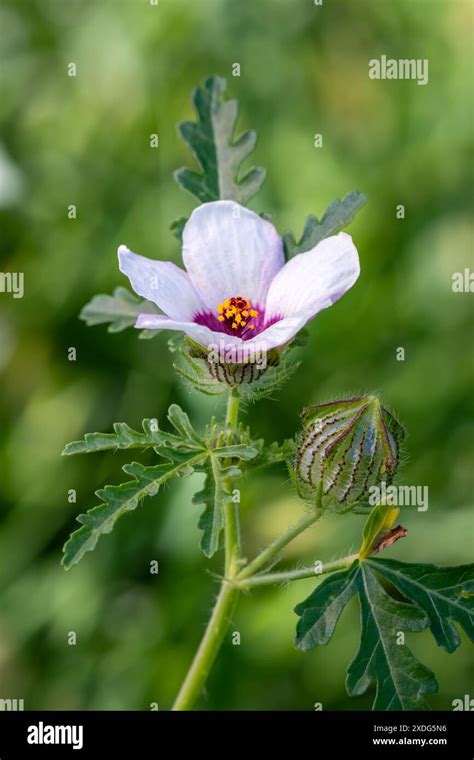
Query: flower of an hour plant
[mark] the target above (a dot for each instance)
(236, 288)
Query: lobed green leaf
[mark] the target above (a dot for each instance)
(120, 310)
(217, 152)
(118, 500)
(438, 597)
(126, 438)
(383, 657)
(337, 216)
(445, 594)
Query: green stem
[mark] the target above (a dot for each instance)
(276, 546)
(232, 415)
(233, 549)
(295, 575)
(226, 601)
(208, 648)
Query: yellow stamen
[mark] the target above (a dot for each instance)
(237, 312)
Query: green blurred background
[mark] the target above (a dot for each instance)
(85, 141)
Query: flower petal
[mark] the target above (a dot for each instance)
(161, 282)
(228, 251)
(235, 349)
(277, 334)
(314, 280)
(200, 333)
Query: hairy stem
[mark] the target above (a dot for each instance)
(276, 546)
(208, 648)
(232, 415)
(233, 550)
(226, 601)
(294, 575)
(237, 579)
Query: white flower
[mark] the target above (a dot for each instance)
(236, 286)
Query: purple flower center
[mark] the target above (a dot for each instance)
(235, 316)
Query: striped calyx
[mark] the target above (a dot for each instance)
(217, 370)
(346, 448)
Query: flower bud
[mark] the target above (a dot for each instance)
(346, 448)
